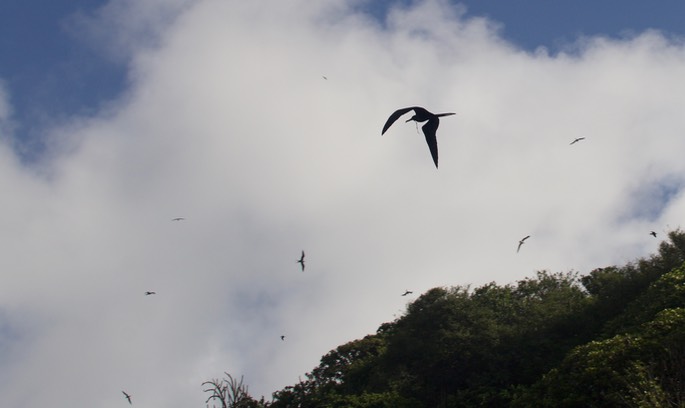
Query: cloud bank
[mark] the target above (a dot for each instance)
(228, 122)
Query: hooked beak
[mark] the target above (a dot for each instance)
(409, 120)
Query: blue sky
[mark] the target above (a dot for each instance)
(216, 111)
(51, 73)
(533, 23)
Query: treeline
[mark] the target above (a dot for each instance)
(615, 337)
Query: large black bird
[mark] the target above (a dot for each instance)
(128, 397)
(407, 292)
(148, 293)
(653, 234)
(429, 129)
(521, 242)
(301, 261)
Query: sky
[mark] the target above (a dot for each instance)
(118, 116)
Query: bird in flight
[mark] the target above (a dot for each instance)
(128, 397)
(653, 234)
(282, 338)
(150, 293)
(301, 261)
(521, 242)
(407, 292)
(578, 139)
(178, 219)
(421, 115)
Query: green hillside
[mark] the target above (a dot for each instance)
(615, 337)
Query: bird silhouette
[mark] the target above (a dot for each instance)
(421, 115)
(521, 242)
(178, 219)
(576, 140)
(128, 397)
(407, 292)
(653, 234)
(150, 293)
(282, 338)
(301, 261)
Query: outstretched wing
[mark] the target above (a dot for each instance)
(128, 397)
(429, 130)
(396, 115)
(521, 242)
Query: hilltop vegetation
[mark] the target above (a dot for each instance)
(615, 337)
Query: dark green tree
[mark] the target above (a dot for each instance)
(615, 337)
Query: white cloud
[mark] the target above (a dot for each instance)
(121, 28)
(229, 123)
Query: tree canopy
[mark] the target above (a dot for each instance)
(614, 337)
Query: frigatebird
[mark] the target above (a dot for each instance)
(178, 219)
(128, 397)
(521, 242)
(653, 234)
(301, 261)
(150, 293)
(421, 115)
(407, 292)
(576, 140)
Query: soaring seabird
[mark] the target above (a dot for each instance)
(150, 293)
(178, 219)
(301, 261)
(407, 292)
(653, 234)
(128, 397)
(429, 129)
(578, 139)
(521, 242)
(282, 338)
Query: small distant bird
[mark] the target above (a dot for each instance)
(178, 219)
(301, 261)
(653, 234)
(128, 397)
(407, 292)
(282, 338)
(429, 129)
(521, 242)
(324, 77)
(576, 140)
(150, 293)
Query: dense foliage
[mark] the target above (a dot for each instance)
(615, 337)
